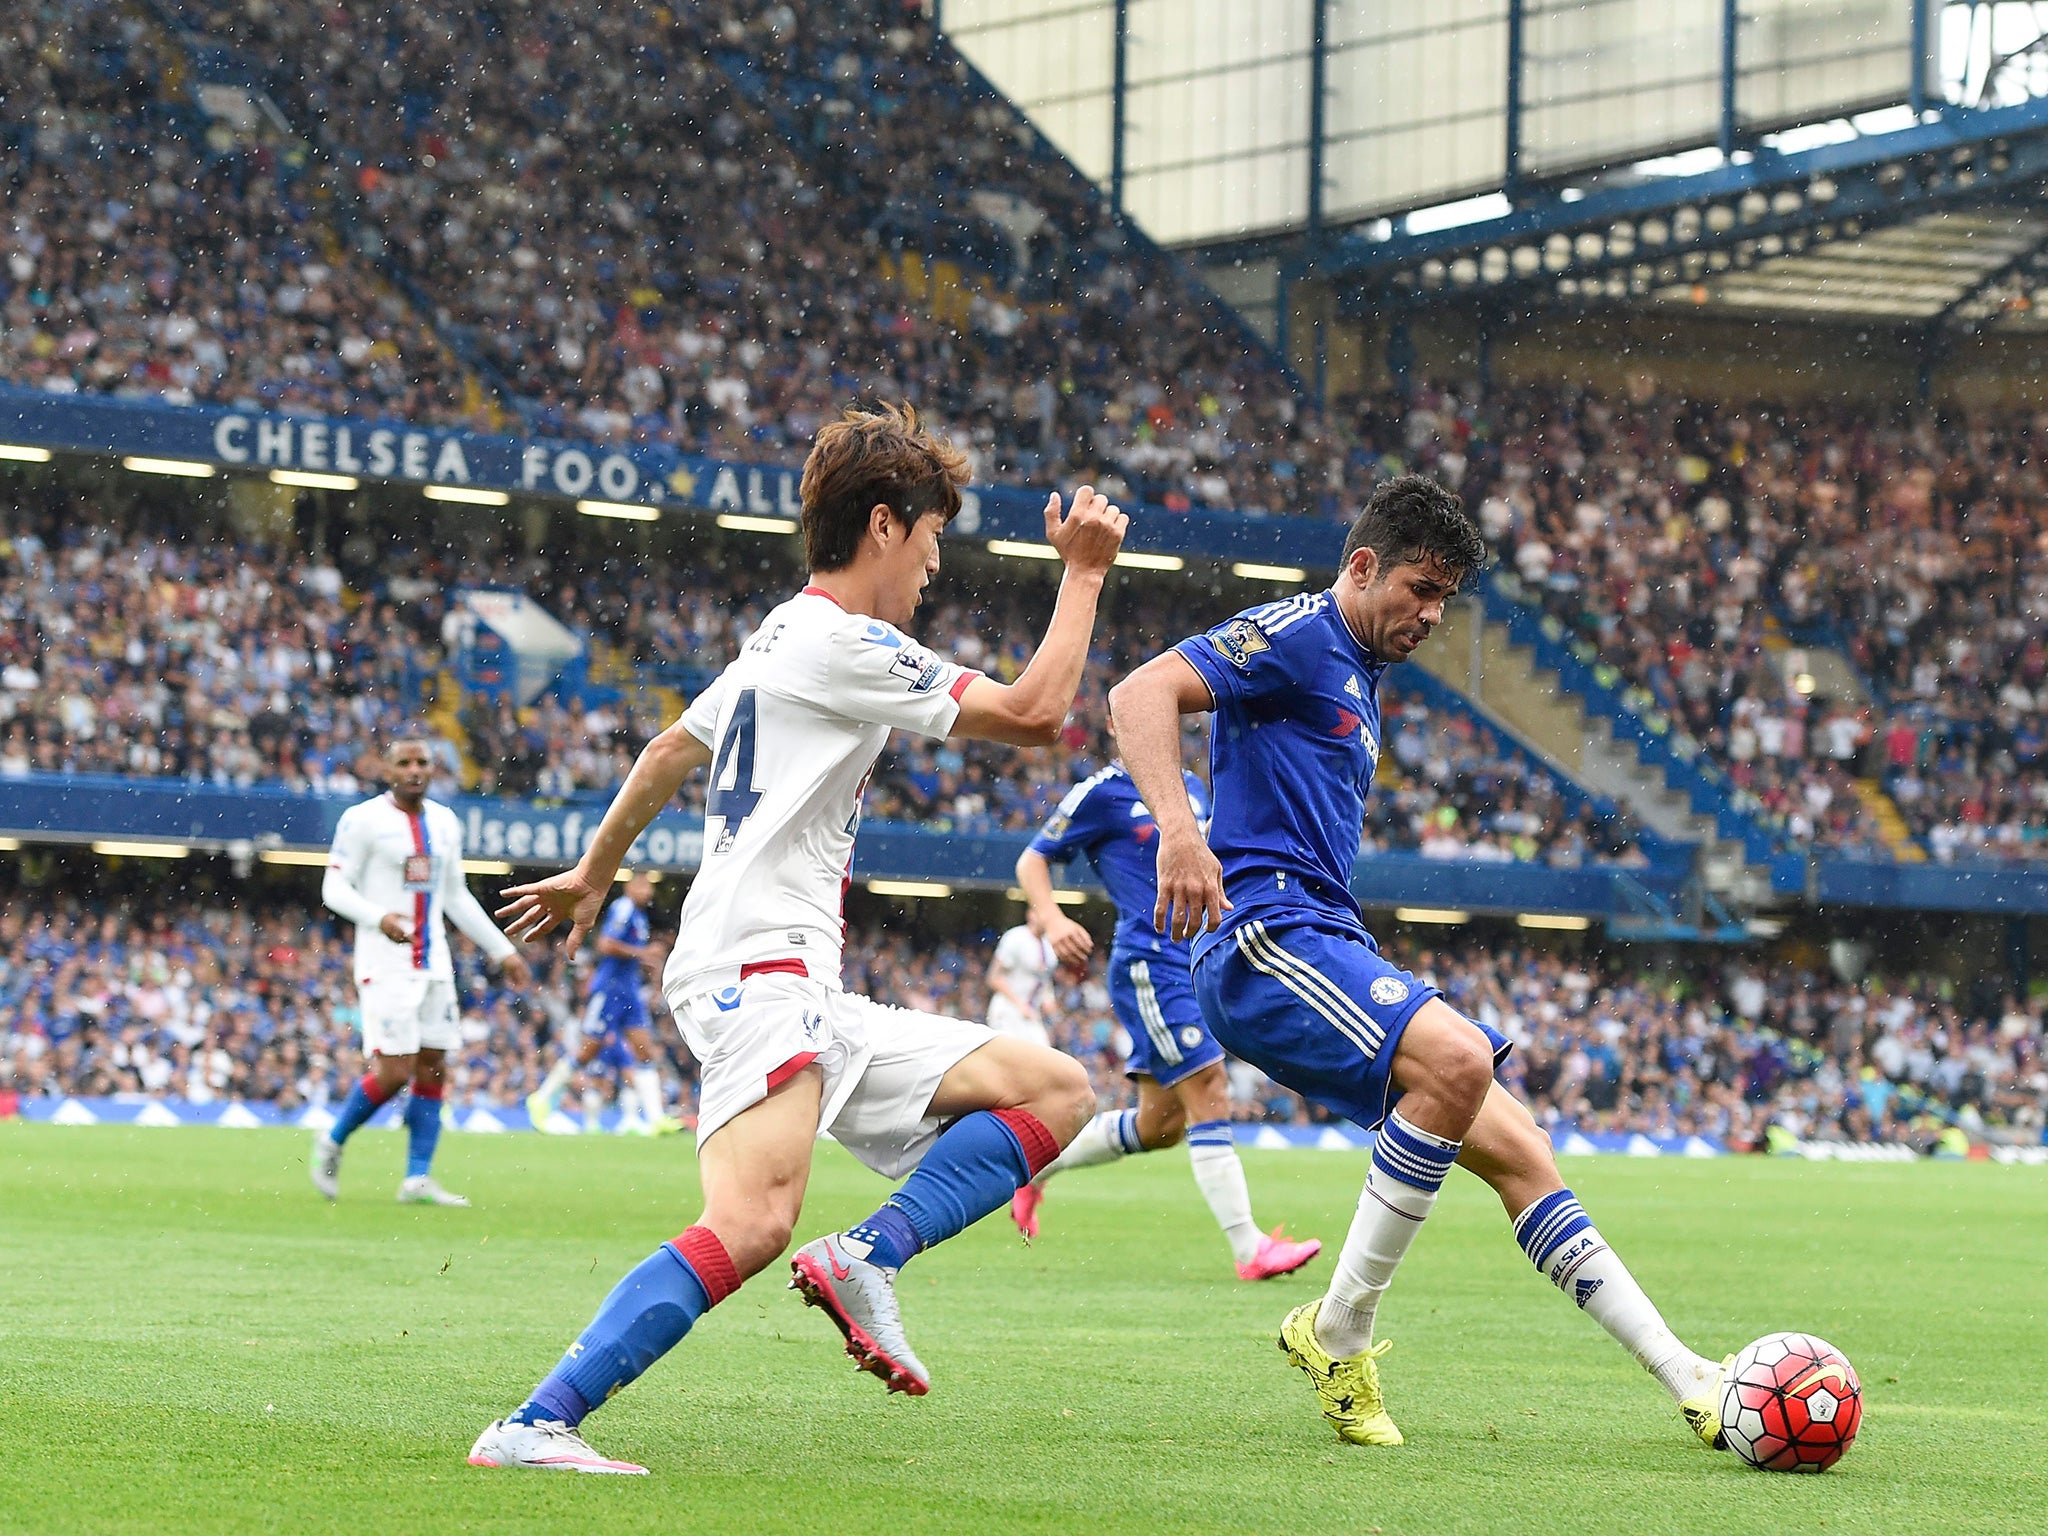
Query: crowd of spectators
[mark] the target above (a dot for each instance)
(1695, 548)
(239, 998)
(707, 261)
(691, 224)
(139, 258)
(127, 649)
(133, 642)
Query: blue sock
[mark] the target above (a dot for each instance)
(363, 1101)
(973, 1168)
(423, 1125)
(1211, 1133)
(644, 1318)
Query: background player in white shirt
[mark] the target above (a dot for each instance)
(790, 732)
(396, 873)
(1020, 989)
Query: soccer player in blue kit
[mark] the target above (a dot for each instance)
(616, 1021)
(1290, 980)
(1178, 1065)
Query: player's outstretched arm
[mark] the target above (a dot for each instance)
(578, 894)
(1146, 708)
(1030, 711)
(468, 914)
(1069, 940)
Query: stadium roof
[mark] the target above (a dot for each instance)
(1941, 222)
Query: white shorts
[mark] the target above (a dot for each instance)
(1006, 1018)
(407, 1013)
(881, 1064)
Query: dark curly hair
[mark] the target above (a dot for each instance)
(1413, 519)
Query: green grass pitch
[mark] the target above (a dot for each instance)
(190, 1340)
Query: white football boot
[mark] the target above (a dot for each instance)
(549, 1446)
(860, 1298)
(326, 1165)
(420, 1189)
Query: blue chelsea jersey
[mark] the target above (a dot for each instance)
(1292, 756)
(628, 924)
(1103, 818)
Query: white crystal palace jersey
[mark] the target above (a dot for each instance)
(794, 726)
(388, 860)
(1026, 962)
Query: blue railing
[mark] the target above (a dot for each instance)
(1684, 766)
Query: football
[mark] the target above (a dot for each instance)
(1791, 1403)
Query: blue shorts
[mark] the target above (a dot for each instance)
(1307, 998)
(610, 1014)
(1154, 998)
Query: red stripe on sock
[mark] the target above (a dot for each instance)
(427, 1090)
(1039, 1146)
(709, 1261)
(373, 1090)
(789, 1069)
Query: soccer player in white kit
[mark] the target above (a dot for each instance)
(1020, 990)
(396, 873)
(790, 731)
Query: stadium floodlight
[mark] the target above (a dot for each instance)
(10, 845)
(632, 511)
(115, 848)
(469, 495)
(24, 453)
(739, 522)
(1449, 916)
(908, 888)
(311, 480)
(1138, 560)
(1563, 922)
(486, 867)
(1064, 898)
(1251, 570)
(188, 469)
(1021, 550)
(307, 857)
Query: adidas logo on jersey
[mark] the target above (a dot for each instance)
(1354, 690)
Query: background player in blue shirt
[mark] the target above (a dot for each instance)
(1176, 1061)
(1289, 978)
(615, 1021)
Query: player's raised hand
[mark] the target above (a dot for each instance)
(532, 910)
(1090, 533)
(1190, 887)
(1069, 940)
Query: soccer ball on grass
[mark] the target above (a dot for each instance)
(1791, 1403)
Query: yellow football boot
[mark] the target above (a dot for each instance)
(1349, 1390)
(1703, 1412)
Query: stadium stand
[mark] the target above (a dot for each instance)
(140, 255)
(227, 998)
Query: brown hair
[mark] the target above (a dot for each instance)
(869, 458)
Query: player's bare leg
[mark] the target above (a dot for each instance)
(1012, 1105)
(1196, 1110)
(423, 1132)
(1512, 1153)
(384, 1077)
(754, 1168)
